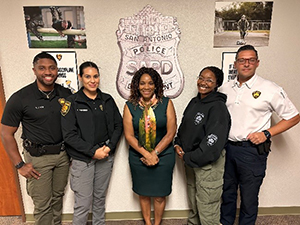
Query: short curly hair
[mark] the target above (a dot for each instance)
(158, 83)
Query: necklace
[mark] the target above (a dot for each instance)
(47, 95)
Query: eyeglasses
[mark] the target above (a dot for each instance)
(250, 61)
(207, 81)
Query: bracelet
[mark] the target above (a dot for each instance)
(156, 152)
(20, 165)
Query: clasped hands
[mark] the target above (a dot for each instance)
(102, 152)
(151, 159)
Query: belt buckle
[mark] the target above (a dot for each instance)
(42, 150)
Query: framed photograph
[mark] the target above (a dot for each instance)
(55, 26)
(67, 70)
(228, 68)
(240, 23)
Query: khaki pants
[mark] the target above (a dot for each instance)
(204, 186)
(48, 191)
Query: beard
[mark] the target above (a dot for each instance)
(45, 82)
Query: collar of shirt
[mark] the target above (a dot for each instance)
(249, 83)
(86, 98)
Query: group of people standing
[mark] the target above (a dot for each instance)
(223, 140)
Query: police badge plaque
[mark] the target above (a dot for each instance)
(149, 39)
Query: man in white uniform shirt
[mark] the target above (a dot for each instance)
(250, 101)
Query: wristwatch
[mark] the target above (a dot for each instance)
(20, 165)
(267, 134)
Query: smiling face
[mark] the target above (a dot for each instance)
(46, 73)
(90, 80)
(246, 69)
(206, 83)
(146, 87)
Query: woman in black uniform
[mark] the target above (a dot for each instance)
(92, 126)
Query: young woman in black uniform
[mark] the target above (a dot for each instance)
(92, 126)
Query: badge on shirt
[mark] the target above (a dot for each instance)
(256, 94)
(66, 105)
(101, 107)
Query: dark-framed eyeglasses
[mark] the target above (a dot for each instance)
(250, 61)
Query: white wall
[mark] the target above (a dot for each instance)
(279, 62)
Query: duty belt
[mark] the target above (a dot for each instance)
(37, 149)
(262, 148)
(241, 143)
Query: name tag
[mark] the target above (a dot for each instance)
(39, 107)
(82, 110)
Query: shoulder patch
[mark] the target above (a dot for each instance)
(65, 108)
(211, 139)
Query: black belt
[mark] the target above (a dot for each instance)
(36, 149)
(241, 143)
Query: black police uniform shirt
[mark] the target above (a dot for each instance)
(100, 125)
(82, 132)
(40, 116)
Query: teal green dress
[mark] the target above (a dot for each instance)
(153, 181)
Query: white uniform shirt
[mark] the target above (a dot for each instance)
(252, 104)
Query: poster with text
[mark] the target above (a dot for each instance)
(228, 68)
(67, 69)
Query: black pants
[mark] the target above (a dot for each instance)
(243, 34)
(244, 169)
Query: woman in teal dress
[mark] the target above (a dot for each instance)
(149, 127)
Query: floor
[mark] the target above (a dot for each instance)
(262, 220)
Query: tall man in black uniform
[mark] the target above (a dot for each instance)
(37, 106)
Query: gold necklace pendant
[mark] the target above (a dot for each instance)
(47, 95)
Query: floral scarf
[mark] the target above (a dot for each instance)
(147, 125)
